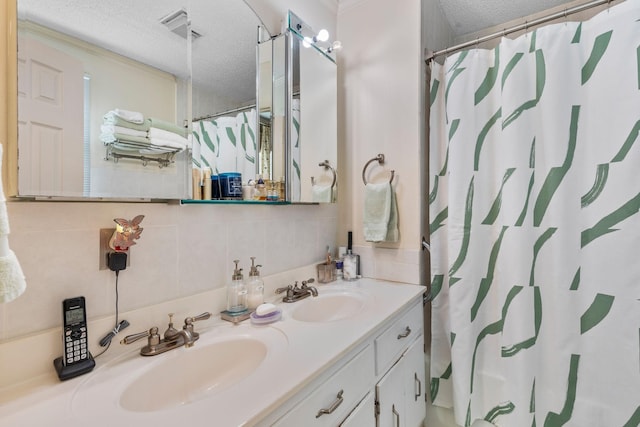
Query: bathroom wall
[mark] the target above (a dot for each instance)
(380, 99)
(184, 250)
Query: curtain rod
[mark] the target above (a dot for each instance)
(235, 110)
(518, 27)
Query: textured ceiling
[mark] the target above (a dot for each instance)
(470, 16)
(223, 58)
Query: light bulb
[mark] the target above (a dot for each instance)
(307, 42)
(336, 45)
(323, 35)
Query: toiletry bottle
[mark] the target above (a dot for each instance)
(350, 262)
(237, 292)
(255, 286)
(261, 189)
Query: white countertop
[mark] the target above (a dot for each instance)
(297, 353)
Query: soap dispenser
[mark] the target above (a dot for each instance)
(255, 286)
(237, 292)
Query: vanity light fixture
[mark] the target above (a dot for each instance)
(322, 36)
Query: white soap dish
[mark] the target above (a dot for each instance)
(274, 316)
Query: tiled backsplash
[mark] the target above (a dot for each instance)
(184, 250)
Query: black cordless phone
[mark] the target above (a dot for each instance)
(74, 320)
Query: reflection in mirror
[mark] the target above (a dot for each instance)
(313, 126)
(225, 115)
(101, 100)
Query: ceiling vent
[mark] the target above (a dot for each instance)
(176, 22)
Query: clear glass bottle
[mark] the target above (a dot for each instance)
(350, 266)
(350, 261)
(260, 192)
(236, 292)
(255, 286)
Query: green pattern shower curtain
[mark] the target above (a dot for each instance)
(226, 144)
(535, 231)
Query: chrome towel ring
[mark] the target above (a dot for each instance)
(380, 159)
(326, 165)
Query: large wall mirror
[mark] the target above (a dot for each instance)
(88, 71)
(313, 121)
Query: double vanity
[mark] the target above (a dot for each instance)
(339, 358)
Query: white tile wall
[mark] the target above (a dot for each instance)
(184, 250)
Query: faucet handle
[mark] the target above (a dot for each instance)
(281, 290)
(305, 282)
(154, 338)
(188, 323)
(202, 316)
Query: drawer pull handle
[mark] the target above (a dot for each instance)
(333, 406)
(397, 414)
(405, 334)
(419, 387)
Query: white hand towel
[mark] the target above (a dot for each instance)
(12, 280)
(167, 143)
(131, 116)
(167, 135)
(377, 211)
(392, 228)
(111, 129)
(321, 193)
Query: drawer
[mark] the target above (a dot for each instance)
(392, 342)
(343, 391)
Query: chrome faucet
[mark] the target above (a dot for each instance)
(296, 293)
(173, 338)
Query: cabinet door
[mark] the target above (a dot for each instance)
(415, 407)
(363, 415)
(390, 397)
(400, 393)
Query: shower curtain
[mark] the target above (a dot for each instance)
(226, 144)
(535, 231)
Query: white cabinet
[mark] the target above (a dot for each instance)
(364, 415)
(400, 393)
(380, 383)
(333, 400)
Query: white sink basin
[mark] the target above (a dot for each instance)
(194, 373)
(223, 363)
(330, 306)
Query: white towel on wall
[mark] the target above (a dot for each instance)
(12, 280)
(380, 217)
(321, 194)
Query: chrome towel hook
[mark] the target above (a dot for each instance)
(380, 159)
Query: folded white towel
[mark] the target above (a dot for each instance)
(167, 136)
(12, 280)
(378, 202)
(167, 143)
(321, 193)
(107, 129)
(131, 116)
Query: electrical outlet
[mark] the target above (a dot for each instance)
(105, 236)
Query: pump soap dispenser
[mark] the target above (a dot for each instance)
(255, 286)
(237, 292)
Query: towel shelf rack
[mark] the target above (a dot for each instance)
(380, 159)
(164, 156)
(326, 166)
